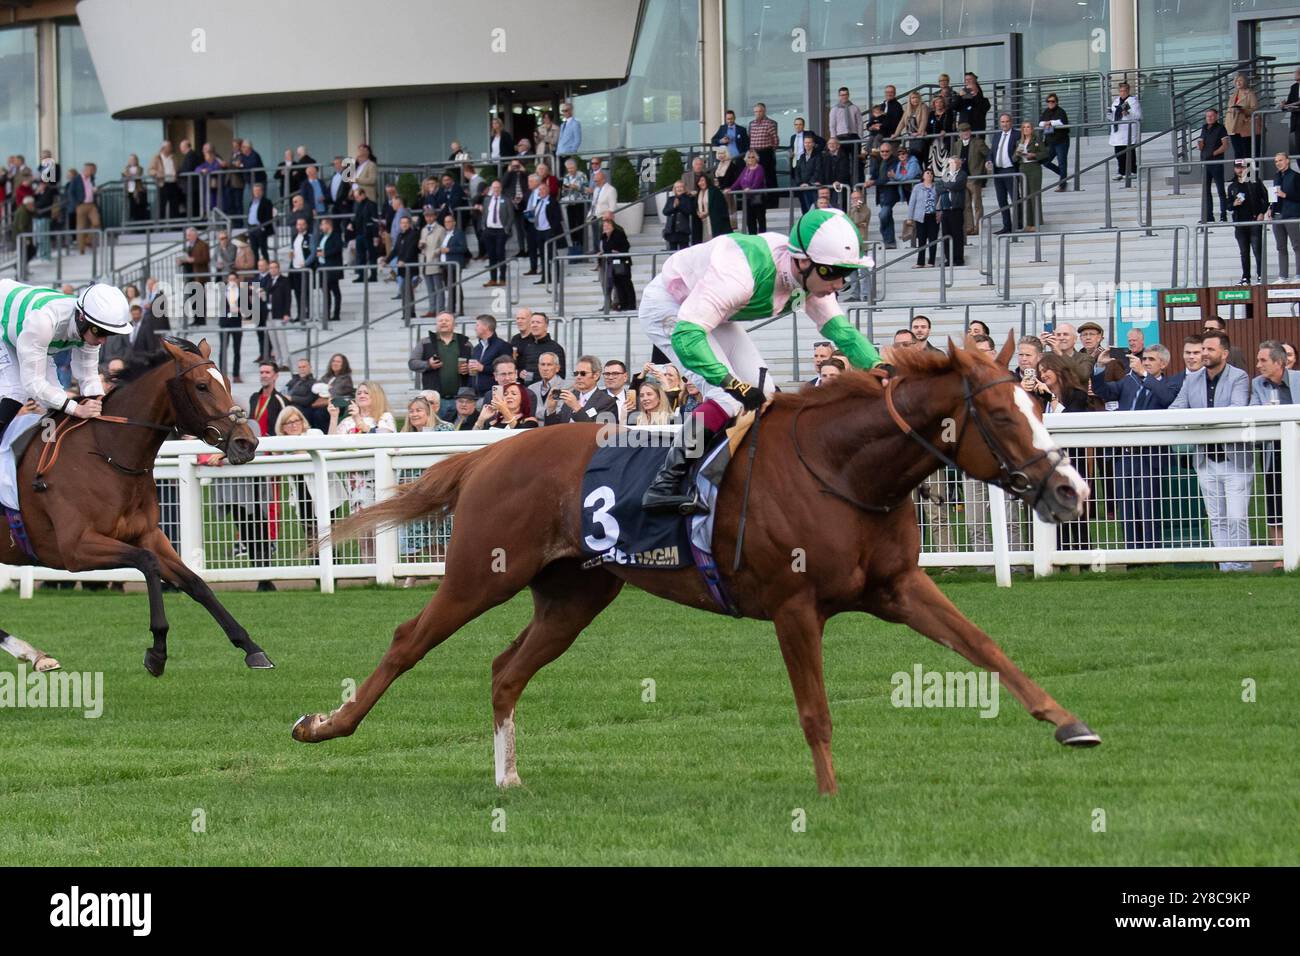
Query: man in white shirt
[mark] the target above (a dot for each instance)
(1002, 163)
(615, 381)
(604, 199)
(301, 275)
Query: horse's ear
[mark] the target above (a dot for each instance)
(1008, 350)
(169, 348)
(959, 355)
(204, 348)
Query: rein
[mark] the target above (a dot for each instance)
(1011, 477)
(50, 452)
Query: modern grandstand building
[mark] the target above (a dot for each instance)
(98, 79)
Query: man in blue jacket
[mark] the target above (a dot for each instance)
(1139, 470)
(570, 140)
(486, 350)
(731, 135)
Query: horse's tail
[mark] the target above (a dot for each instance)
(434, 492)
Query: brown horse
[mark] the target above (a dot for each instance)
(97, 505)
(833, 477)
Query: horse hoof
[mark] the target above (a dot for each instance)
(510, 780)
(154, 662)
(1077, 734)
(46, 663)
(304, 728)
(258, 661)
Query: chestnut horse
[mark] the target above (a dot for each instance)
(833, 477)
(97, 506)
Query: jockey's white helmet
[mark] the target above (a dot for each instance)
(105, 306)
(827, 237)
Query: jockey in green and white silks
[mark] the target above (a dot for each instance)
(696, 308)
(36, 324)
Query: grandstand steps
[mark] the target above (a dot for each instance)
(1089, 258)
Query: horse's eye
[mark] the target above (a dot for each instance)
(203, 386)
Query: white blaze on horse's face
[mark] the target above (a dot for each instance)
(1043, 441)
(217, 375)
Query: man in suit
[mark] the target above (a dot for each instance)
(1191, 362)
(1274, 384)
(340, 189)
(1225, 470)
(1236, 357)
(261, 220)
(190, 160)
(585, 401)
(277, 307)
(796, 146)
(974, 154)
(447, 198)
(546, 390)
(329, 255)
(364, 232)
(731, 135)
(547, 224)
(807, 172)
(1138, 470)
(194, 268)
(570, 140)
(405, 259)
(497, 216)
(1003, 164)
(455, 250)
(515, 188)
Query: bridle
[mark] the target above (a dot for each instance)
(181, 401)
(1011, 477)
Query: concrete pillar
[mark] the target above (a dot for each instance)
(713, 90)
(356, 124)
(47, 80)
(1123, 35)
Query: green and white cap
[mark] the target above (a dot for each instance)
(828, 237)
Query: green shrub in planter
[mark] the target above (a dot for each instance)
(408, 187)
(623, 179)
(670, 170)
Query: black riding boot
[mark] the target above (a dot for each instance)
(664, 493)
(8, 411)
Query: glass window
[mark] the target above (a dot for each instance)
(87, 134)
(18, 92)
(660, 102)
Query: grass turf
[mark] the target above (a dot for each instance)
(711, 772)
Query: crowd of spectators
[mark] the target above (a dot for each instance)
(1067, 370)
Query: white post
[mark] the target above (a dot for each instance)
(1001, 547)
(1289, 478)
(1044, 545)
(26, 582)
(385, 541)
(189, 499)
(324, 508)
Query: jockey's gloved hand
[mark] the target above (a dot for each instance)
(748, 395)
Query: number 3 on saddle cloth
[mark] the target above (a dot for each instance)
(617, 530)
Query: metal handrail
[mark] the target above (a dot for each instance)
(946, 276)
(562, 264)
(986, 221)
(1145, 213)
(1203, 229)
(855, 310)
(21, 262)
(1004, 252)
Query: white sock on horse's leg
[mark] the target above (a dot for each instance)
(25, 652)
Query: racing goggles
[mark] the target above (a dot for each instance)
(831, 273)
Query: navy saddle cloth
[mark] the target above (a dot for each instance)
(615, 528)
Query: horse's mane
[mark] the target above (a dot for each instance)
(138, 365)
(855, 384)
